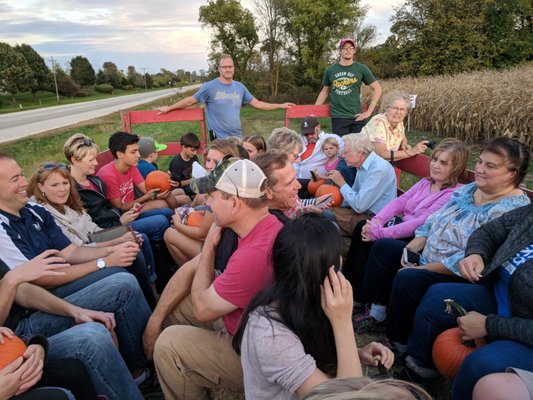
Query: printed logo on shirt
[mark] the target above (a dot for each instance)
(234, 97)
(343, 82)
(36, 226)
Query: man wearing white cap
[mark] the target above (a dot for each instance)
(342, 84)
(195, 353)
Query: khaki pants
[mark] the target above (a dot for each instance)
(347, 218)
(193, 356)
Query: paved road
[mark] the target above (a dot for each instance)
(18, 125)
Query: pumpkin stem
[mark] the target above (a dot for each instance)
(450, 305)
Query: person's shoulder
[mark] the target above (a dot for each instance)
(106, 169)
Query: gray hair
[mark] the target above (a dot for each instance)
(284, 140)
(358, 142)
(393, 96)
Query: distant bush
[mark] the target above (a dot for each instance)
(66, 86)
(127, 87)
(83, 93)
(104, 88)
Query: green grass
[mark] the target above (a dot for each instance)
(48, 147)
(47, 99)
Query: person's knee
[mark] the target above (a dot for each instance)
(92, 336)
(171, 342)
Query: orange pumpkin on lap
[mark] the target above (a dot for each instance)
(10, 350)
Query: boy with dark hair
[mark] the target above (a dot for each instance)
(121, 177)
(180, 167)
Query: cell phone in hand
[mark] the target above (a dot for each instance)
(410, 257)
(139, 208)
(324, 203)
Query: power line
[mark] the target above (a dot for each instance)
(51, 59)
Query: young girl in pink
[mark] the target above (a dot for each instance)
(330, 148)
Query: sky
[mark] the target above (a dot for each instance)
(146, 34)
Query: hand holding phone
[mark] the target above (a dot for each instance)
(138, 208)
(324, 203)
(410, 257)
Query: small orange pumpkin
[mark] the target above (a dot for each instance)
(313, 185)
(331, 190)
(449, 352)
(195, 218)
(10, 350)
(157, 180)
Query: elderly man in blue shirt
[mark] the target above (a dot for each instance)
(373, 188)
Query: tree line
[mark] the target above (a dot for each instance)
(284, 46)
(22, 69)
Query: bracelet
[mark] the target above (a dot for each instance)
(373, 103)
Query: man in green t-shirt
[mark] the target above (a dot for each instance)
(342, 83)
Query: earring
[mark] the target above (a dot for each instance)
(44, 194)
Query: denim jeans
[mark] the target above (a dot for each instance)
(153, 223)
(431, 319)
(137, 269)
(489, 359)
(91, 342)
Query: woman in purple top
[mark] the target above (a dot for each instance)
(402, 216)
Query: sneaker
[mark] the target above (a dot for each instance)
(368, 324)
(425, 372)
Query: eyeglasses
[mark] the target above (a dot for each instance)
(53, 165)
(348, 48)
(396, 109)
(84, 142)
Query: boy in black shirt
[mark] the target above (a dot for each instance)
(180, 166)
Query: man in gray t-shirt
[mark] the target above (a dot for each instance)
(223, 98)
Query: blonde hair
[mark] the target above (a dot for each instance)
(257, 141)
(330, 140)
(79, 146)
(284, 140)
(365, 388)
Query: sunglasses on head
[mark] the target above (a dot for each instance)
(53, 165)
(84, 142)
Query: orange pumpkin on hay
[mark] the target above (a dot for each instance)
(157, 180)
(10, 350)
(313, 185)
(195, 218)
(331, 190)
(449, 352)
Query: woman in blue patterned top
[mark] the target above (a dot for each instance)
(500, 168)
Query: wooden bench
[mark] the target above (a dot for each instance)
(131, 118)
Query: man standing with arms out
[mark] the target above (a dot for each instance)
(342, 83)
(196, 353)
(223, 98)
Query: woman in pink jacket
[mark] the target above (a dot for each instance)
(402, 216)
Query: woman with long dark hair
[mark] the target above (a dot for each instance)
(298, 332)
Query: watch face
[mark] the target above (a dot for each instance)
(100, 263)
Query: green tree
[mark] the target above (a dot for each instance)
(82, 71)
(270, 17)
(436, 37)
(41, 72)
(15, 74)
(233, 32)
(112, 74)
(313, 29)
(101, 77)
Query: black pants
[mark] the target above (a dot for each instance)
(344, 126)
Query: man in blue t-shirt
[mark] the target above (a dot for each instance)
(223, 98)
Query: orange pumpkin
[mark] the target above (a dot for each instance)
(157, 180)
(449, 352)
(195, 218)
(10, 350)
(331, 190)
(313, 185)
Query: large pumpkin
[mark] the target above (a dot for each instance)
(331, 190)
(10, 350)
(449, 352)
(313, 185)
(157, 180)
(195, 218)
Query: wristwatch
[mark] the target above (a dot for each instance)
(100, 263)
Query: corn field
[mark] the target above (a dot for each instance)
(472, 106)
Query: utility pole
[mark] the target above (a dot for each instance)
(144, 76)
(55, 78)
